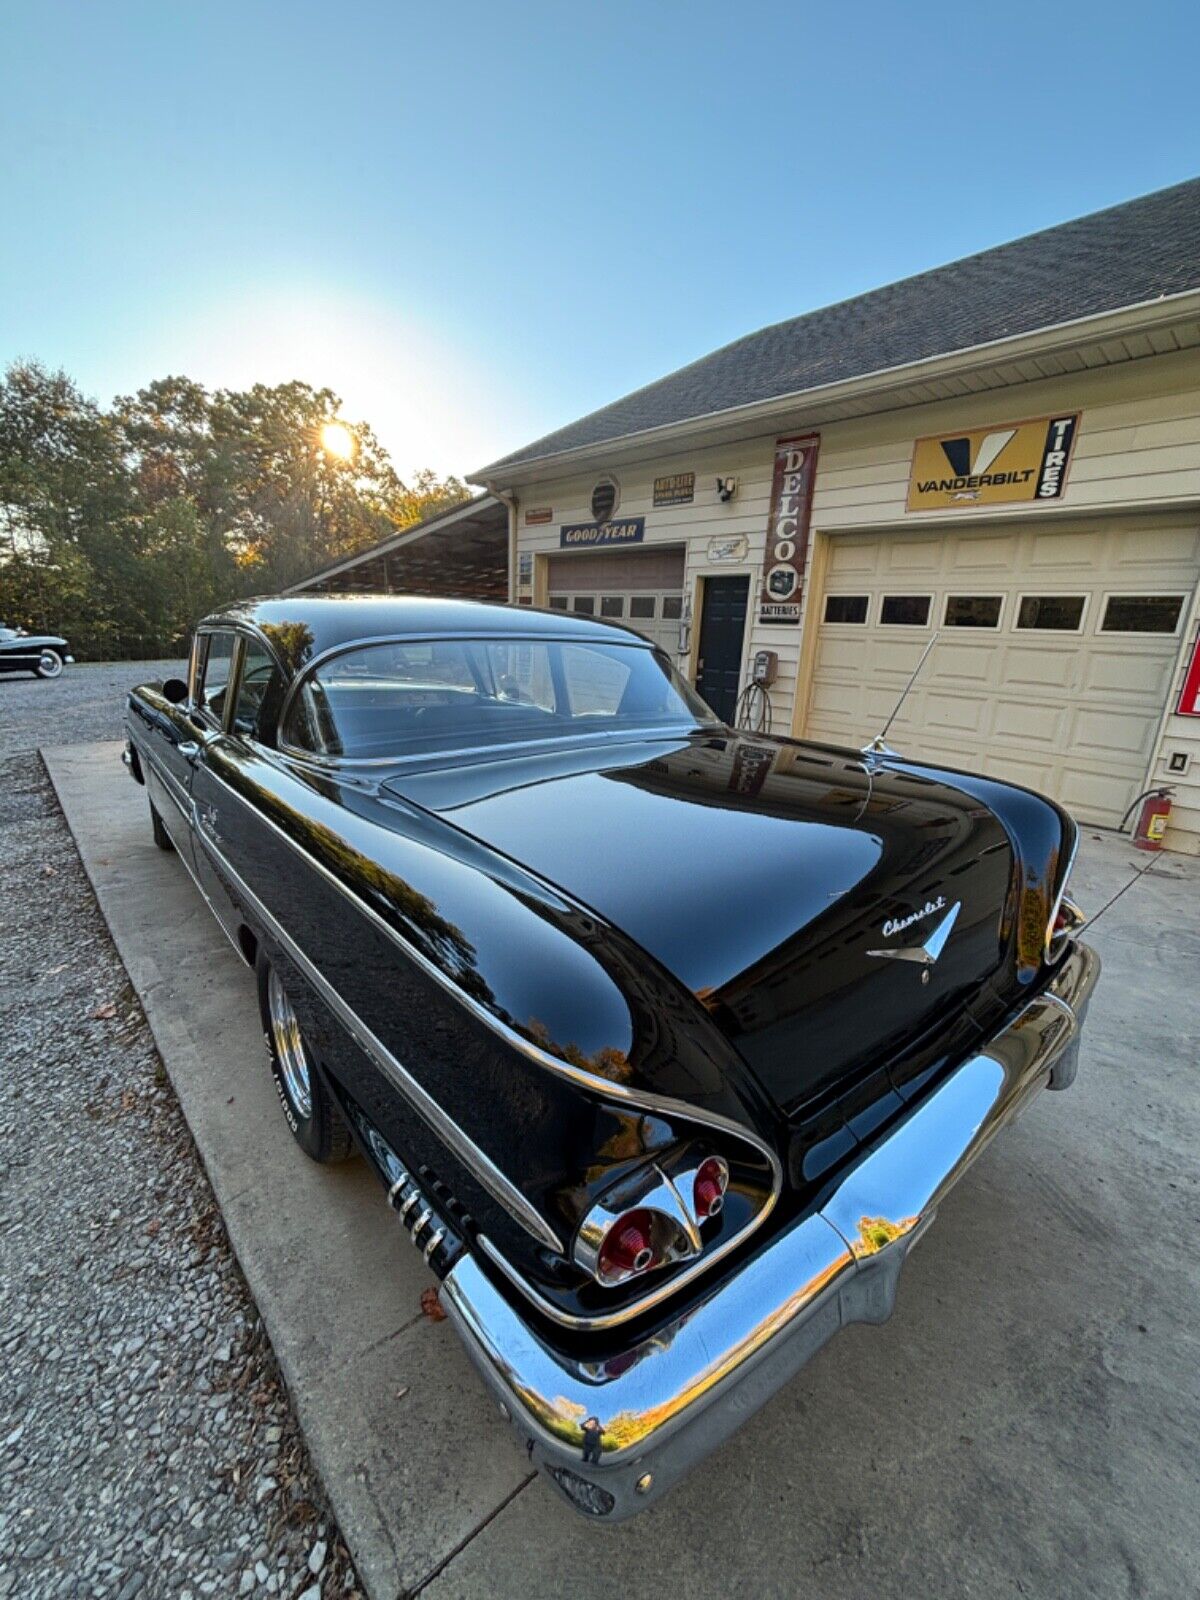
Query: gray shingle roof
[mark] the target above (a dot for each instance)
(1130, 253)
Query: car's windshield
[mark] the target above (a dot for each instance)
(421, 697)
(8, 633)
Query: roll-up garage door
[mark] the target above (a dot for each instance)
(641, 588)
(1054, 658)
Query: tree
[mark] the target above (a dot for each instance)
(121, 528)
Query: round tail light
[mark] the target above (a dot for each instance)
(708, 1187)
(628, 1247)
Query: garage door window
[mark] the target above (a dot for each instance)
(972, 611)
(558, 602)
(905, 610)
(1051, 613)
(1142, 613)
(612, 605)
(672, 607)
(846, 608)
(585, 603)
(641, 606)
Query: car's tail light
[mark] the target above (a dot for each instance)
(709, 1186)
(627, 1248)
(653, 1216)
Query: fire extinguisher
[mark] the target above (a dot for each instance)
(1152, 818)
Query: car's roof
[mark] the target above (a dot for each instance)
(304, 626)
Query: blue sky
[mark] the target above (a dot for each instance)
(477, 221)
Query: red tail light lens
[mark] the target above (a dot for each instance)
(708, 1188)
(628, 1247)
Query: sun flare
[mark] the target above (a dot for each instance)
(337, 440)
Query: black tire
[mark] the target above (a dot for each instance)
(316, 1123)
(54, 666)
(161, 837)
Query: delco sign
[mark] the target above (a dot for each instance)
(787, 528)
(992, 466)
(622, 530)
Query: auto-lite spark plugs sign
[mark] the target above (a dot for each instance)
(787, 528)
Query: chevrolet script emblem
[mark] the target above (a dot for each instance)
(924, 954)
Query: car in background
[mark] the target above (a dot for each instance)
(665, 1041)
(43, 654)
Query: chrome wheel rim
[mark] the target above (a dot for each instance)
(289, 1046)
(50, 664)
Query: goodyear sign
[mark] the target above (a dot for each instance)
(992, 466)
(621, 530)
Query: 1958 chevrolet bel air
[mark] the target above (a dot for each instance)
(666, 1041)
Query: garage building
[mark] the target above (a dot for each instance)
(1001, 455)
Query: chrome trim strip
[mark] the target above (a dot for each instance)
(435, 1239)
(669, 1399)
(1049, 953)
(500, 1187)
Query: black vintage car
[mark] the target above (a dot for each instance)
(666, 1042)
(43, 654)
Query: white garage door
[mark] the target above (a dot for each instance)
(1053, 662)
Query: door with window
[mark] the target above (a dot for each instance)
(238, 687)
(1055, 651)
(721, 638)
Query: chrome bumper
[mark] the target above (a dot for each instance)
(663, 1404)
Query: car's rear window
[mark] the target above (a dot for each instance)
(419, 697)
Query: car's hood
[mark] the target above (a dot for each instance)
(764, 875)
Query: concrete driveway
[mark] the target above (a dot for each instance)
(1025, 1424)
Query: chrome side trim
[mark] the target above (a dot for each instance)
(645, 1100)
(1050, 954)
(501, 1189)
(666, 1401)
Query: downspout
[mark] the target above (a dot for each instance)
(508, 497)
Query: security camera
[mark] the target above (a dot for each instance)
(726, 488)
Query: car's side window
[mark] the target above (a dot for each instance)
(258, 675)
(215, 674)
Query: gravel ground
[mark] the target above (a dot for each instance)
(147, 1447)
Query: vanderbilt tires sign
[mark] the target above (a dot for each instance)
(992, 466)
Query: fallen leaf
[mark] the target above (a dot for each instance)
(432, 1306)
(54, 971)
(102, 1013)
(48, 871)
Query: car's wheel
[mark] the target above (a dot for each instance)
(50, 664)
(315, 1121)
(161, 837)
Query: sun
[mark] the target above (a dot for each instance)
(338, 441)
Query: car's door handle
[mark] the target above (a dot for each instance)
(189, 750)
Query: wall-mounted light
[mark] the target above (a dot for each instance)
(726, 488)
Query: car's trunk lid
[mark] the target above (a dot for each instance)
(767, 877)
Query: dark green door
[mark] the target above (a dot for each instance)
(722, 629)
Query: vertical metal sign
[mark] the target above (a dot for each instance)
(787, 528)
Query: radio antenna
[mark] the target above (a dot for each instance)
(878, 745)
(1137, 877)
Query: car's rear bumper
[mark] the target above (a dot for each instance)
(663, 1404)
